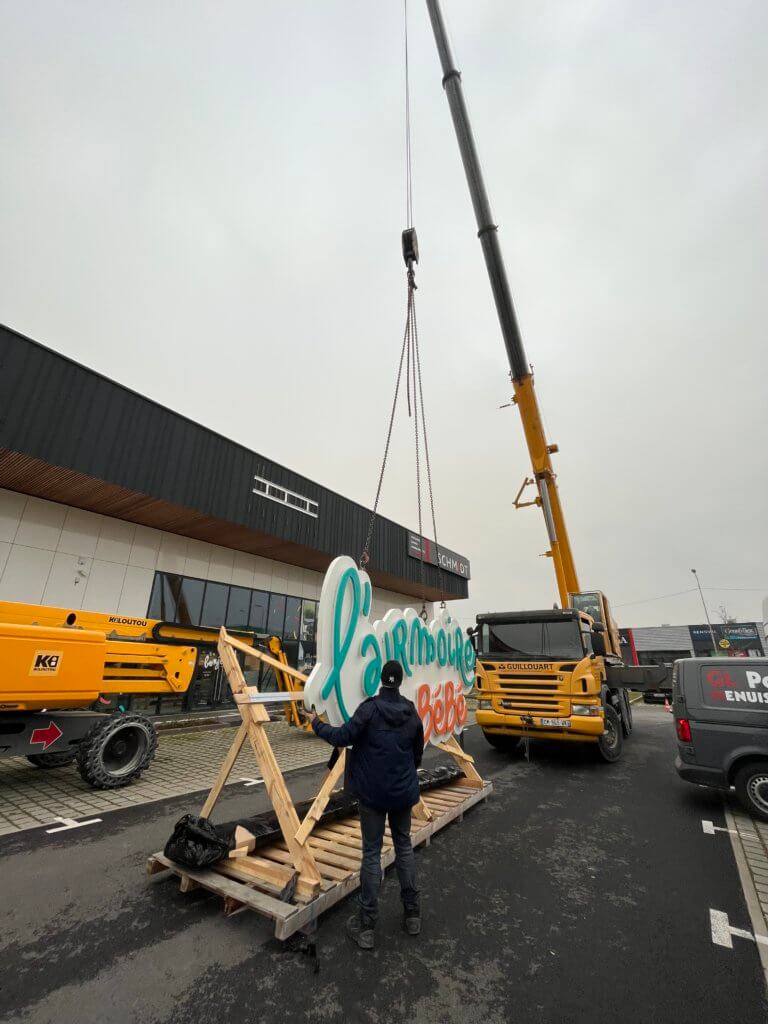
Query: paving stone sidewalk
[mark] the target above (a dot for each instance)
(753, 835)
(185, 762)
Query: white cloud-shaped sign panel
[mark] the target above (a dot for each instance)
(438, 659)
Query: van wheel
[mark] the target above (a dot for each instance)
(751, 783)
(58, 760)
(116, 750)
(610, 744)
(506, 744)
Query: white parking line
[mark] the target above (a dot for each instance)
(723, 931)
(709, 828)
(252, 782)
(68, 823)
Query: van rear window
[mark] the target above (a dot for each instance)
(742, 688)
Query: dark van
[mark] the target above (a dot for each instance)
(721, 715)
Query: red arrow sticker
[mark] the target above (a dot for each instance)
(46, 736)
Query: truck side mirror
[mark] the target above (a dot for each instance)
(598, 642)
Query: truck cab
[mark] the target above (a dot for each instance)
(538, 675)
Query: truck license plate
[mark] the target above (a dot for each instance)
(556, 723)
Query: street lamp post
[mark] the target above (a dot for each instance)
(704, 605)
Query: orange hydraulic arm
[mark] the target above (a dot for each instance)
(546, 482)
(58, 658)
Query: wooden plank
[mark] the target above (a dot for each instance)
(346, 852)
(252, 652)
(464, 760)
(304, 915)
(231, 869)
(443, 798)
(315, 812)
(227, 887)
(451, 746)
(224, 771)
(445, 793)
(326, 870)
(154, 866)
(255, 715)
(245, 842)
(421, 810)
(339, 837)
(353, 825)
(325, 856)
(446, 805)
(256, 869)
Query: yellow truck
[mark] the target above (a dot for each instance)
(58, 663)
(554, 674)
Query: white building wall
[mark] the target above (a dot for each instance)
(56, 555)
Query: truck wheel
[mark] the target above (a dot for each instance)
(116, 751)
(611, 742)
(58, 760)
(506, 744)
(751, 783)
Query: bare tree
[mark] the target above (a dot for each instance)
(724, 615)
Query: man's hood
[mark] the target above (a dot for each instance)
(393, 708)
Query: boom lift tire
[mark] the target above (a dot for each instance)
(60, 759)
(116, 751)
(610, 744)
(506, 744)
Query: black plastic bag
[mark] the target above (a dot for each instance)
(196, 842)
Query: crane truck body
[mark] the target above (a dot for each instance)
(555, 674)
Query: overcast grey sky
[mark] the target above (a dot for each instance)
(204, 202)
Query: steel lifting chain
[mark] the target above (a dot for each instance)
(412, 357)
(365, 556)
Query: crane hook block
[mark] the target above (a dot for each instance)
(410, 247)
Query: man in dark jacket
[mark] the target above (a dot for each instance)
(387, 741)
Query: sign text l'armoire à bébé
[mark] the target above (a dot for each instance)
(438, 659)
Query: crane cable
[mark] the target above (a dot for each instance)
(410, 354)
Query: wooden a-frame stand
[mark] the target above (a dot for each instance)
(312, 868)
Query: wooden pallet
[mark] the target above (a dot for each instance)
(337, 850)
(314, 865)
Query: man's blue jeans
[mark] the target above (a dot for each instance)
(372, 823)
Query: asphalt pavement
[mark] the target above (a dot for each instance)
(579, 892)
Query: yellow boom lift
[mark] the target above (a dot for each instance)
(58, 662)
(558, 673)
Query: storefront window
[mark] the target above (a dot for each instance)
(308, 616)
(215, 605)
(276, 614)
(176, 599)
(259, 605)
(239, 608)
(162, 603)
(292, 618)
(189, 601)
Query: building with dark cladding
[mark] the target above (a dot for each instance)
(111, 502)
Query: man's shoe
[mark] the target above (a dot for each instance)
(412, 923)
(363, 936)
